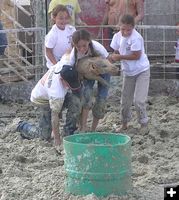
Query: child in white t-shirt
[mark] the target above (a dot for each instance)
(58, 40)
(85, 46)
(73, 8)
(128, 47)
(50, 93)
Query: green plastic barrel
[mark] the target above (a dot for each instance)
(98, 163)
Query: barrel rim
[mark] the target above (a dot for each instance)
(65, 139)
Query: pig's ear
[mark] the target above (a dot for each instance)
(92, 64)
(94, 69)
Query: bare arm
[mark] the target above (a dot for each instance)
(105, 19)
(104, 22)
(140, 11)
(78, 20)
(49, 53)
(135, 55)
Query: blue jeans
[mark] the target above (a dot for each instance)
(98, 108)
(72, 103)
(88, 91)
(44, 129)
(3, 40)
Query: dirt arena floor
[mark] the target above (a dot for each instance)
(33, 170)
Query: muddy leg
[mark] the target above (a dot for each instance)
(73, 113)
(43, 131)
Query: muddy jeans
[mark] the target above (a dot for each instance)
(135, 90)
(98, 108)
(72, 103)
(44, 129)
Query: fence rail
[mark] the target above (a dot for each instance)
(24, 55)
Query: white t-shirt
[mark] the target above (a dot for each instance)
(99, 49)
(59, 41)
(49, 86)
(126, 46)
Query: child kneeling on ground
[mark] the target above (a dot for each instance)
(50, 93)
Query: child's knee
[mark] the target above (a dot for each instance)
(99, 109)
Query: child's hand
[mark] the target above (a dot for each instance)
(83, 24)
(114, 57)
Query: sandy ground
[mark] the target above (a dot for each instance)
(34, 170)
